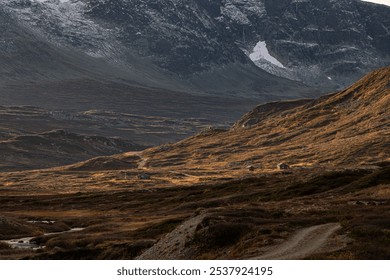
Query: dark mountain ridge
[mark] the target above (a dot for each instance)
(190, 45)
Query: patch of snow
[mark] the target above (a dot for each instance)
(260, 52)
(300, 44)
(311, 27)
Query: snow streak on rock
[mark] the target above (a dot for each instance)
(260, 52)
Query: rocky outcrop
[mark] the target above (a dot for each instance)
(328, 43)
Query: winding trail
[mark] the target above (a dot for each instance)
(302, 244)
(143, 160)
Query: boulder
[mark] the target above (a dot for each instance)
(143, 176)
(283, 166)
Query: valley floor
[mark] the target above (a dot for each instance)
(316, 213)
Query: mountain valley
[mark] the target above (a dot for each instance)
(202, 129)
(286, 171)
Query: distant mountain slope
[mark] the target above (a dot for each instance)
(33, 137)
(56, 148)
(128, 43)
(195, 44)
(64, 56)
(320, 42)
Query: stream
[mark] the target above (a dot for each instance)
(25, 242)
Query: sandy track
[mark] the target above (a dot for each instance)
(302, 244)
(143, 161)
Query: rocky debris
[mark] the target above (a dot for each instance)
(366, 202)
(319, 42)
(250, 168)
(143, 176)
(282, 166)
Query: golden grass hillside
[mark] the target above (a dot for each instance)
(219, 194)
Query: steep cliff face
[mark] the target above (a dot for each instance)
(179, 35)
(318, 42)
(325, 43)
(175, 45)
(214, 45)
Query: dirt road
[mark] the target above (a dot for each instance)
(302, 244)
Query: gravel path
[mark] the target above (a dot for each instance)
(302, 244)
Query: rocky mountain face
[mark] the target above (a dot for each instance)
(318, 42)
(172, 45)
(177, 44)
